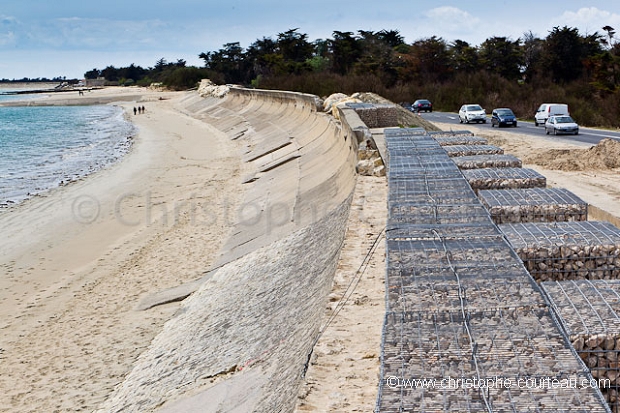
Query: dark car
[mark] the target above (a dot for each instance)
(503, 117)
(422, 105)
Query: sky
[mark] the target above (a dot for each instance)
(43, 38)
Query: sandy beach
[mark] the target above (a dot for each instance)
(78, 259)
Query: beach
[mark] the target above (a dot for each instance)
(79, 258)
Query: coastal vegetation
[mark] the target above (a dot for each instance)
(582, 70)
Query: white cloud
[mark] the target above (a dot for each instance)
(456, 23)
(588, 20)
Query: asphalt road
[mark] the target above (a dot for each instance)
(586, 135)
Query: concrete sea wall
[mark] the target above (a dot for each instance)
(242, 341)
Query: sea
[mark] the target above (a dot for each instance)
(43, 147)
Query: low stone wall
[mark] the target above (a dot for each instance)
(376, 115)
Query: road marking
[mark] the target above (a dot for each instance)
(598, 134)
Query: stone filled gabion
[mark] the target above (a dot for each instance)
(460, 303)
(460, 140)
(589, 313)
(510, 342)
(567, 250)
(450, 134)
(504, 178)
(376, 115)
(487, 161)
(469, 150)
(533, 205)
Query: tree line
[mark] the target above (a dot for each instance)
(566, 66)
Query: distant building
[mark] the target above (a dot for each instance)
(99, 82)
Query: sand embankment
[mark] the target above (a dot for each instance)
(255, 186)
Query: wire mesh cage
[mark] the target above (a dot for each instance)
(497, 394)
(452, 191)
(487, 161)
(395, 132)
(452, 252)
(533, 205)
(567, 250)
(501, 342)
(450, 134)
(504, 178)
(482, 291)
(459, 230)
(410, 166)
(460, 302)
(411, 213)
(469, 150)
(589, 312)
(460, 140)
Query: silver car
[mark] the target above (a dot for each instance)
(561, 124)
(472, 113)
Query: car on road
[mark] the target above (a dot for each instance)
(472, 113)
(561, 124)
(503, 117)
(422, 105)
(546, 110)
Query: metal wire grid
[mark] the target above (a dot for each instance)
(404, 142)
(454, 252)
(395, 399)
(460, 140)
(502, 178)
(444, 231)
(448, 134)
(459, 258)
(510, 268)
(501, 173)
(567, 250)
(412, 168)
(432, 159)
(550, 234)
(487, 161)
(482, 292)
(512, 342)
(392, 133)
(407, 142)
(431, 190)
(533, 205)
(586, 307)
(529, 196)
(411, 213)
(468, 150)
(590, 310)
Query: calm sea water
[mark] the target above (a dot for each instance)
(44, 147)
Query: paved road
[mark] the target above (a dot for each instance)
(586, 135)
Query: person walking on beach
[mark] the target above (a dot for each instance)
(134, 111)
(143, 109)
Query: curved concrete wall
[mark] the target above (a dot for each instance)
(242, 341)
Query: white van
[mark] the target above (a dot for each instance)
(549, 109)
